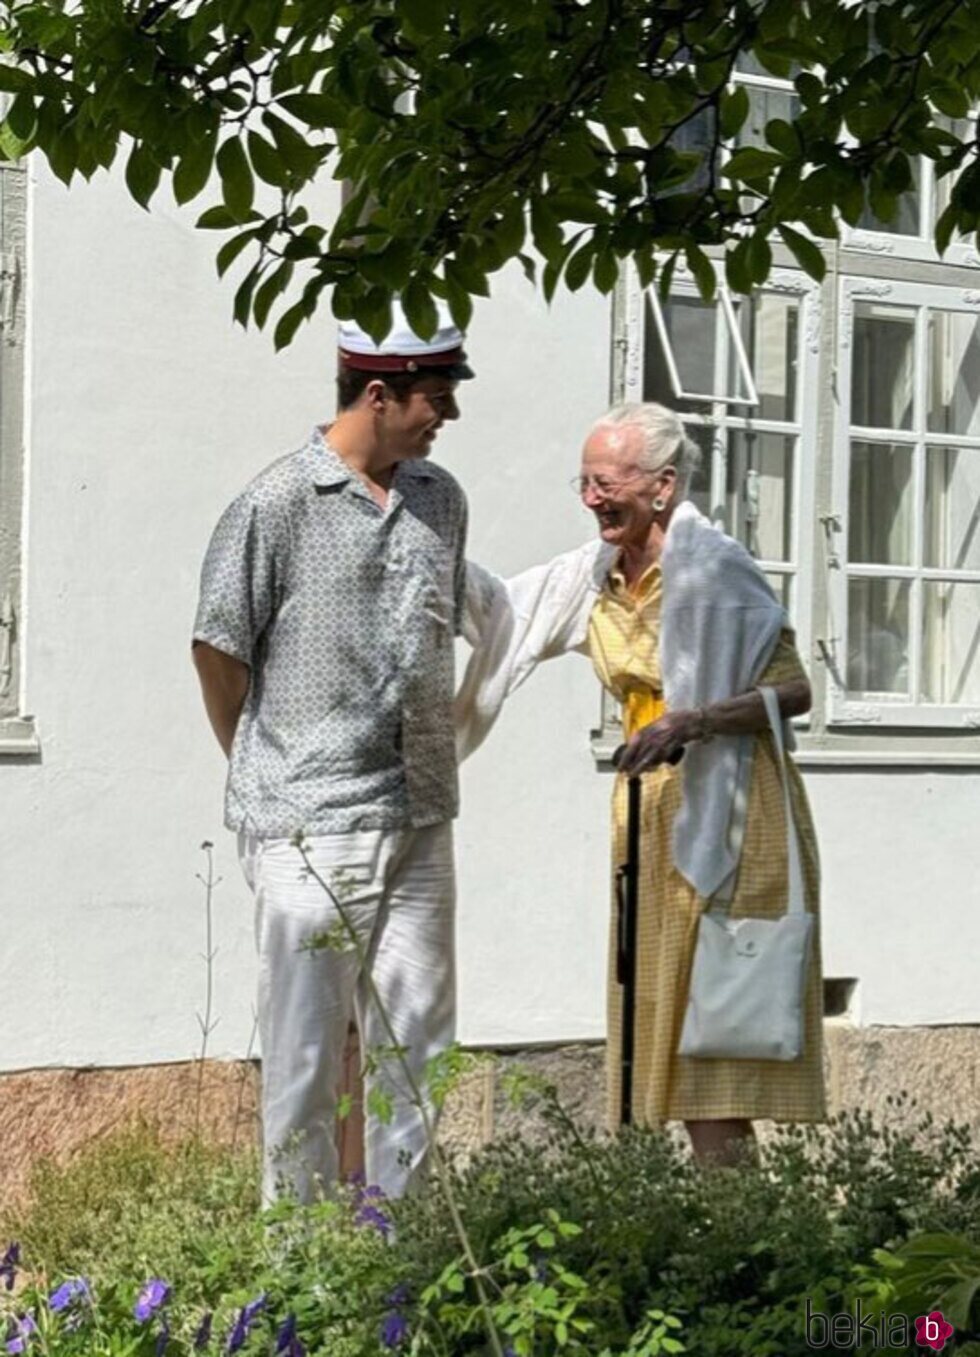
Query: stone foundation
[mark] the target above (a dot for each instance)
(53, 1113)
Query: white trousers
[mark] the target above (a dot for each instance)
(397, 887)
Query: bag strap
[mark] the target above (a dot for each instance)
(797, 895)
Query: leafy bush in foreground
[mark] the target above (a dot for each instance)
(589, 1246)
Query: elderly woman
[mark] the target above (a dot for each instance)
(682, 628)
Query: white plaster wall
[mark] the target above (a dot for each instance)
(148, 411)
(901, 890)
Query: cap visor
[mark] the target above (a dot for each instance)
(459, 372)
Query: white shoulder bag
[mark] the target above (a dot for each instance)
(748, 976)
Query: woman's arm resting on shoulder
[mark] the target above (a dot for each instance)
(224, 686)
(742, 715)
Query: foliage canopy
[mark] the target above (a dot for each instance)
(570, 134)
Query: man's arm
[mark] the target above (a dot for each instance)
(224, 685)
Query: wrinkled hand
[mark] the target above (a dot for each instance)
(661, 742)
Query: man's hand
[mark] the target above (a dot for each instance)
(224, 684)
(661, 742)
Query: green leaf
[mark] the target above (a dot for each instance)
(425, 16)
(237, 184)
(759, 257)
(738, 274)
(266, 161)
(215, 219)
(702, 269)
(467, 277)
(807, 254)
(945, 227)
(750, 164)
(316, 110)
(63, 155)
(13, 80)
(194, 167)
(22, 117)
(420, 309)
(300, 157)
(460, 304)
(606, 271)
(783, 136)
(271, 288)
(734, 111)
(143, 172)
(243, 297)
(579, 266)
(545, 230)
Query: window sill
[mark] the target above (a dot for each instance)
(18, 736)
(810, 753)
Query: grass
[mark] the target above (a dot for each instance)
(134, 1201)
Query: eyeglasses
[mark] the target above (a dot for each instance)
(602, 485)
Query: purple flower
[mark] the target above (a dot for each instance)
(203, 1336)
(370, 1215)
(21, 1334)
(288, 1343)
(243, 1322)
(8, 1265)
(152, 1295)
(394, 1329)
(76, 1288)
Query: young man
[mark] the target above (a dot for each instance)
(330, 597)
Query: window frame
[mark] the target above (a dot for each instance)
(724, 419)
(18, 734)
(843, 709)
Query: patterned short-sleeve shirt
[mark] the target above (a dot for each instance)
(346, 614)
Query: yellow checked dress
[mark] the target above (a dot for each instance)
(624, 647)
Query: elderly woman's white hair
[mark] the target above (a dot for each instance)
(664, 441)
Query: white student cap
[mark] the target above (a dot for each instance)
(403, 351)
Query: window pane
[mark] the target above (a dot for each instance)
(907, 219)
(951, 642)
(965, 129)
(759, 493)
(884, 354)
(952, 527)
(747, 63)
(700, 489)
(692, 330)
(770, 330)
(782, 587)
(879, 530)
(765, 105)
(696, 136)
(954, 373)
(877, 636)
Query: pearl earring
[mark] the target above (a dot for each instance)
(658, 505)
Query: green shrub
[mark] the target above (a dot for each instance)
(618, 1248)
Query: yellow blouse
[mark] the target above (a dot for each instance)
(621, 627)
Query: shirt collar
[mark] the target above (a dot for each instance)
(327, 467)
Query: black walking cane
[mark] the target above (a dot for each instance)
(627, 899)
(627, 903)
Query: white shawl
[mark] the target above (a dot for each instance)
(719, 626)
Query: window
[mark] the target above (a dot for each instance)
(910, 233)
(17, 734)
(905, 598)
(840, 426)
(756, 428)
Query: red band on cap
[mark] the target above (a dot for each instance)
(401, 362)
